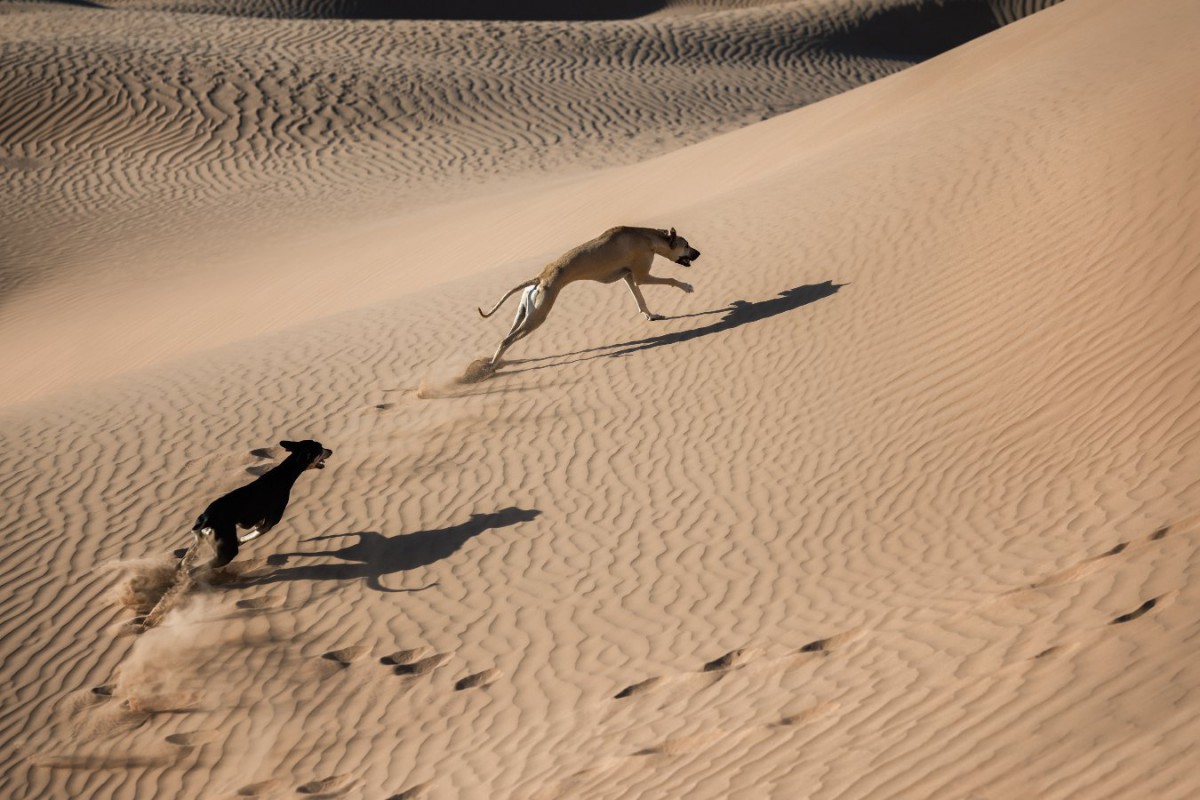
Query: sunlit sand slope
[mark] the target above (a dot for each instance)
(903, 501)
(112, 122)
(182, 173)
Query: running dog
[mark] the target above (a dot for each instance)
(621, 252)
(258, 506)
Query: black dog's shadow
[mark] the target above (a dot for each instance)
(377, 555)
(738, 313)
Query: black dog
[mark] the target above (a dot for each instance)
(257, 506)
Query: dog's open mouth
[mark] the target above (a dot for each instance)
(683, 261)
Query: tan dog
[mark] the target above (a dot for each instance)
(617, 253)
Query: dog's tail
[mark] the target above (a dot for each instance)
(508, 294)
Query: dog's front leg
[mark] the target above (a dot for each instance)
(654, 280)
(641, 301)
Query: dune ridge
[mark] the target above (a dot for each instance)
(1003, 11)
(901, 502)
(153, 158)
(186, 108)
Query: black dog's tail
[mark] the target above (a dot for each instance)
(201, 522)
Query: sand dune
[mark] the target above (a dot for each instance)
(199, 179)
(1003, 11)
(343, 116)
(901, 502)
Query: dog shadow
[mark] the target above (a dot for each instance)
(375, 555)
(736, 314)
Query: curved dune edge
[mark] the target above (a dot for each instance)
(175, 182)
(1004, 10)
(901, 502)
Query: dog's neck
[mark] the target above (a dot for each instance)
(287, 471)
(661, 245)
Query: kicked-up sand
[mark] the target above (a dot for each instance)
(903, 501)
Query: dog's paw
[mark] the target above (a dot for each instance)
(655, 317)
(687, 287)
(478, 370)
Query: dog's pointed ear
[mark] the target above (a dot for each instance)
(289, 446)
(671, 238)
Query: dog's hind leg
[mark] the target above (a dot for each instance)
(227, 545)
(531, 313)
(505, 343)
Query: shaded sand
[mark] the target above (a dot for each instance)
(902, 501)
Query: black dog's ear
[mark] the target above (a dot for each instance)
(289, 446)
(671, 238)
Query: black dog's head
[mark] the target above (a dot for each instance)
(311, 454)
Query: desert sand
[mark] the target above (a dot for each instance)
(903, 501)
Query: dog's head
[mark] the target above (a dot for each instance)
(311, 454)
(680, 251)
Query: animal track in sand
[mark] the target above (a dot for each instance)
(682, 744)
(412, 792)
(639, 688)
(807, 715)
(478, 680)
(260, 788)
(732, 660)
(333, 786)
(262, 603)
(736, 659)
(1136, 613)
(1053, 650)
(831, 643)
(104, 691)
(403, 657)
(422, 666)
(193, 738)
(1087, 566)
(1075, 571)
(347, 655)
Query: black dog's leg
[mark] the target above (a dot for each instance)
(227, 545)
(182, 552)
